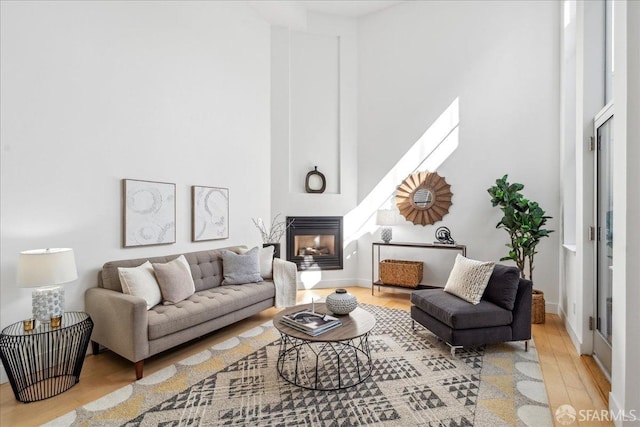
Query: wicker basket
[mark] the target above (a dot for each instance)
(537, 310)
(400, 273)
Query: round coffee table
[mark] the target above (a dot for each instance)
(334, 360)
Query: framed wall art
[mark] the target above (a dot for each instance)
(149, 213)
(209, 213)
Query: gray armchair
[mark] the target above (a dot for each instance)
(503, 314)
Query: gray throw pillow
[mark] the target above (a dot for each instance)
(239, 269)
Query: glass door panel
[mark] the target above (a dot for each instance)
(604, 241)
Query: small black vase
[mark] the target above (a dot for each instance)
(276, 248)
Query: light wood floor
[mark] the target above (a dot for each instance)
(567, 378)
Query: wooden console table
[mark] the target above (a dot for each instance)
(374, 245)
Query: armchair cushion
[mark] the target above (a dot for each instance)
(503, 286)
(459, 314)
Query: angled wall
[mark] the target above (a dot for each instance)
(495, 66)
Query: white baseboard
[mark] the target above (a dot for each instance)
(551, 307)
(614, 408)
(338, 283)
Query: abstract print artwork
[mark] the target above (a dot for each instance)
(210, 213)
(149, 213)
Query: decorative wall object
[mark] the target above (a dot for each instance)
(315, 181)
(424, 198)
(149, 210)
(443, 235)
(209, 213)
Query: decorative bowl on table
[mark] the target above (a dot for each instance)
(341, 302)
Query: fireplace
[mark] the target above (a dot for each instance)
(315, 242)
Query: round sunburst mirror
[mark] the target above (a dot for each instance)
(424, 198)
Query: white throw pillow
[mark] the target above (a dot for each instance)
(141, 282)
(468, 278)
(265, 256)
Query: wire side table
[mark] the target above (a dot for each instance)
(46, 361)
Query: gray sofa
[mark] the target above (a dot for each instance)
(503, 314)
(123, 324)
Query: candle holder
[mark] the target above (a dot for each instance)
(56, 321)
(29, 325)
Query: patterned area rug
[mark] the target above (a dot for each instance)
(414, 382)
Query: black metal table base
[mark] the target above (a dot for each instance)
(325, 366)
(46, 361)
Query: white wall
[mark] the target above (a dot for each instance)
(583, 88)
(290, 127)
(314, 68)
(626, 244)
(501, 61)
(93, 92)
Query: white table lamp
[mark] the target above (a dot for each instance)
(386, 218)
(45, 269)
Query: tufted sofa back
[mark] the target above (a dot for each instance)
(206, 268)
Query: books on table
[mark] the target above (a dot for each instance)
(310, 322)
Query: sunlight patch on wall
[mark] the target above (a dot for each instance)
(438, 142)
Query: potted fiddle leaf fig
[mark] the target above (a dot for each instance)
(523, 219)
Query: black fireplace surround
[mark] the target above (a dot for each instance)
(315, 242)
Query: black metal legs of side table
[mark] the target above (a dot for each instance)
(47, 361)
(324, 365)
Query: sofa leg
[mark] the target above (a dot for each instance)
(413, 325)
(526, 345)
(139, 366)
(95, 348)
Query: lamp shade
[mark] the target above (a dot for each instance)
(46, 267)
(385, 217)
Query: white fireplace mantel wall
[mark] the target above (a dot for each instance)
(314, 123)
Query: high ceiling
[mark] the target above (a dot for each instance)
(350, 8)
(293, 14)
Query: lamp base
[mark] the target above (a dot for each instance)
(47, 303)
(386, 234)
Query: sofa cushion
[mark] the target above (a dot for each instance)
(206, 305)
(459, 314)
(469, 278)
(174, 278)
(141, 282)
(240, 268)
(503, 286)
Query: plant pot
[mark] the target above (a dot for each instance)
(537, 309)
(276, 248)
